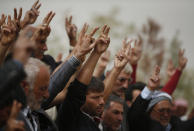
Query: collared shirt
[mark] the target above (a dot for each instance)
(27, 111)
(93, 119)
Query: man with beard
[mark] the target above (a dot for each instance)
(36, 89)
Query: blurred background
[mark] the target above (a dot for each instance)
(165, 26)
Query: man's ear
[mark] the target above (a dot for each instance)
(25, 86)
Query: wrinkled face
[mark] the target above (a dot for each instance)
(94, 104)
(4, 115)
(41, 47)
(161, 112)
(40, 91)
(121, 84)
(113, 116)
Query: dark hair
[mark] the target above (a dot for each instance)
(113, 98)
(137, 86)
(16, 93)
(96, 85)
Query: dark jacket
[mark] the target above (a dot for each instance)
(139, 119)
(60, 78)
(42, 120)
(49, 60)
(70, 117)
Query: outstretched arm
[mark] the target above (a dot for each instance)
(101, 44)
(135, 57)
(173, 81)
(31, 15)
(71, 30)
(121, 60)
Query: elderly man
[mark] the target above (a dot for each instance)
(11, 75)
(36, 89)
(152, 110)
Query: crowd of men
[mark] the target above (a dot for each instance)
(89, 92)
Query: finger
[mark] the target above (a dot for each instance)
(85, 28)
(46, 18)
(15, 14)
(38, 7)
(124, 43)
(107, 31)
(129, 51)
(157, 70)
(6, 30)
(103, 28)
(66, 22)
(9, 20)
(94, 31)
(92, 45)
(3, 18)
(130, 42)
(70, 19)
(183, 52)
(34, 5)
(82, 32)
(16, 106)
(180, 53)
(50, 18)
(35, 11)
(20, 14)
(140, 39)
(74, 27)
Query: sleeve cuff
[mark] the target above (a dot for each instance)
(146, 93)
(74, 61)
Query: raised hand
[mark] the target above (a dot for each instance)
(2, 20)
(154, 80)
(24, 45)
(8, 33)
(170, 68)
(136, 52)
(45, 24)
(182, 60)
(12, 123)
(31, 15)
(121, 57)
(17, 18)
(48, 18)
(85, 42)
(43, 30)
(71, 30)
(102, 42)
